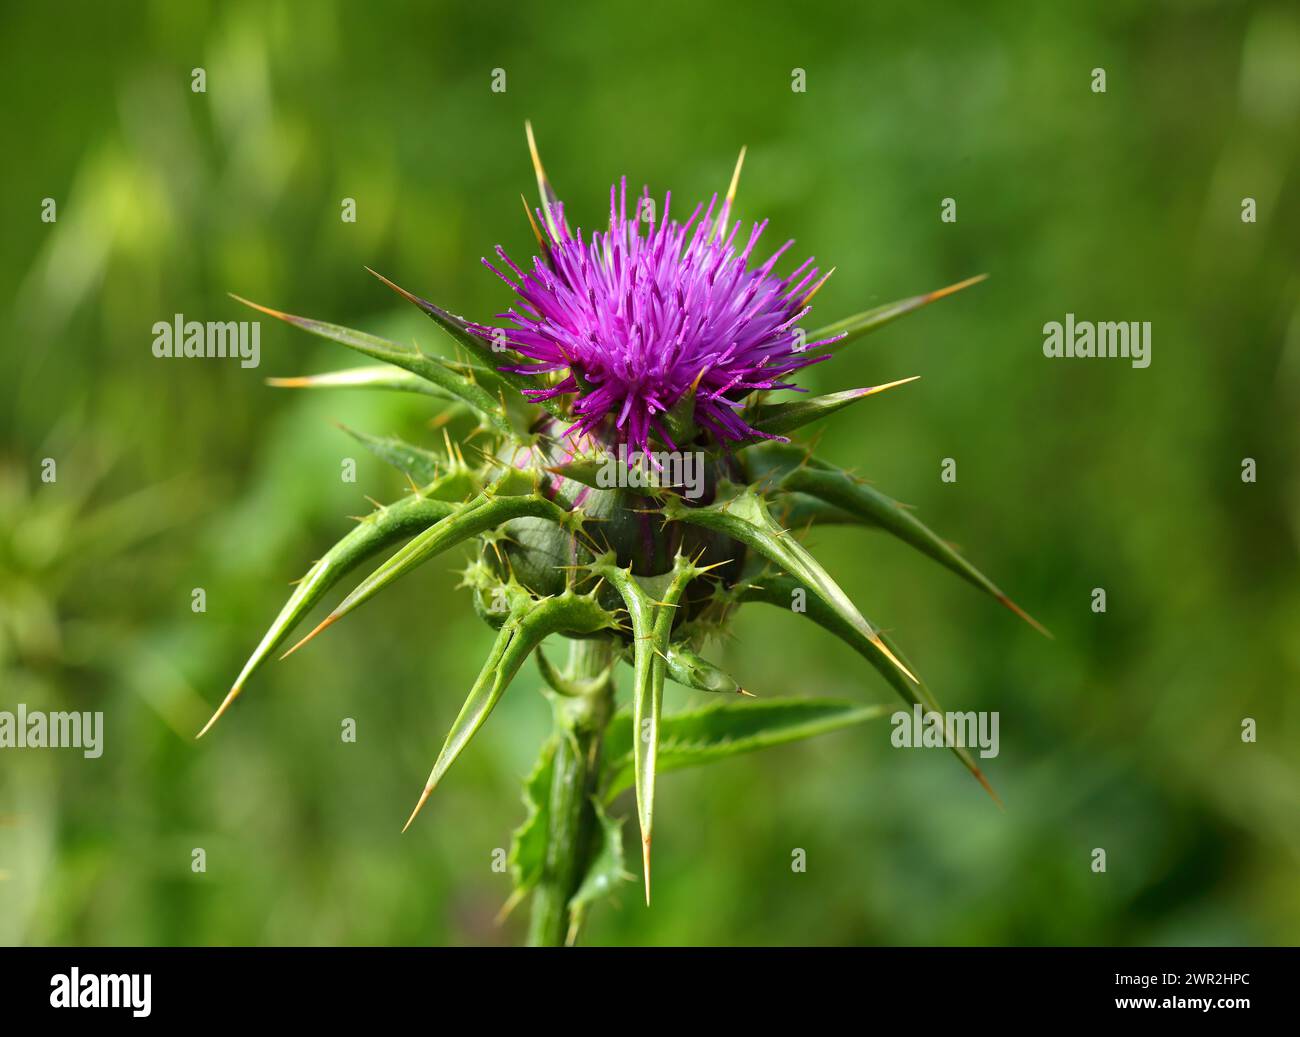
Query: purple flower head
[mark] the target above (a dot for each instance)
(644, 314)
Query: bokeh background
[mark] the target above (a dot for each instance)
(1124, 733)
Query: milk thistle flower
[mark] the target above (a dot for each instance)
(629, 346)
(635, 322)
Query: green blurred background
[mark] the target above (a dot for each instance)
(1124, 733)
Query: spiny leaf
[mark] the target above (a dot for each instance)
(779, 590)
(467, 520)
(433, 369)
(568, 686)
(776, 419)
(691, 670)
(744, 517)
(858, 500)
(606, 871)
(376, 531)
(720, 228)
(379, 376)
(489, 377)
(874, 507)
(728, 729)
(871, 320)
(592, 469)
(550, 200)
(528, 843)
(647, 715)
(530, 622)
(651, 604)
(420, 464)
(799, 511)
(459, 329)
(641, 612)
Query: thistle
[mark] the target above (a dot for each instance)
(628, 355)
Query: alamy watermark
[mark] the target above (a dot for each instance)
(72, 989)
(240, 339)
(922, 729)
(652, 470)
(35, 729)
(1108, 338)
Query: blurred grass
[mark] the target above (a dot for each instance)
(1123, 733)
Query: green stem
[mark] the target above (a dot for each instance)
(580, 722)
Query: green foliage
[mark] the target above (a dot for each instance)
(530, 622)
(379, 376)
(877, 317)
(420, 465)
(380, 529)
(796, 472)
(741, 514)
(466, 521)
(728, 729)
(607, 870)
(434, 370)
(456, 328)
(776, 419)
(687, 667)
(779, 590)
(528, 843)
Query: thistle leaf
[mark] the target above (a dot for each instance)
(530, 622)
(799, 511)
(858, 501)
(872, 320)
(570, 687)
(728, 729)
(458, 328)
(550, 200)
(527, 857)
(647, 714)
(378, 530)
(692, 671)
(873, 507)
(606, 871)
(591, 469)
(776, 419)
(433, 369)
(652, 622)
(378, 376)
(720, 226)
(777, 589)
(745, 517)
(641, 612)
(420, 464)
(466, 521)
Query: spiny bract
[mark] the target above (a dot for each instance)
(647, 335)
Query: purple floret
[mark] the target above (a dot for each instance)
(637, 316)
